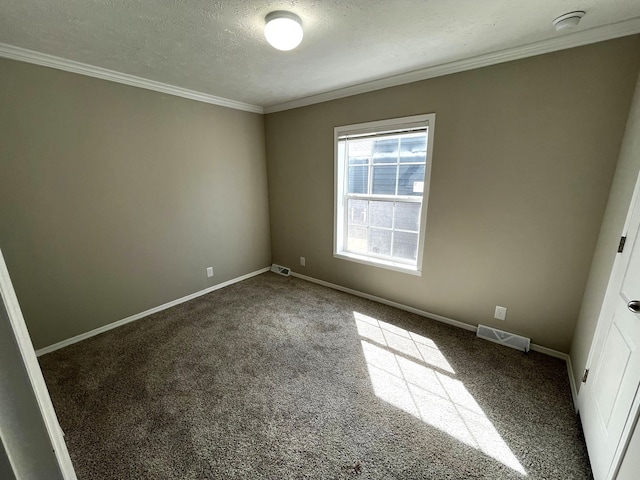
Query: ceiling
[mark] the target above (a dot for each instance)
(217, 48)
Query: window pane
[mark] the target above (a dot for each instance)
(359, 151)
(380, 241)
(357, 239)
(358, 179)
(381, 214)
(413, 149)
(385, 150)
(358, 160)
(357, 212)
(405, 245)
(407, 216)
(411, 180)
(384, 180)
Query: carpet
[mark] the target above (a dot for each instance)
(278, 378)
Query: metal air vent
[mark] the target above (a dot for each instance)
(280, 269)
(504, 338)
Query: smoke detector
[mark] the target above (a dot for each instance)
(568, 20)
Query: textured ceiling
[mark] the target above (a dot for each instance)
(218, 48)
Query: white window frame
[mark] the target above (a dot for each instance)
(340, 195)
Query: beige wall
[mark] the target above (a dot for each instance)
(114, 199)
(616, 213)
(524, 155)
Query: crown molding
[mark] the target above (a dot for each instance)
(577, 39)
(37, 58)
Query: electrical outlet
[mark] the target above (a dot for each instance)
(209, 271)
(303, 262)
(501, 313)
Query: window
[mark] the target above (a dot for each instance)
(382, 172)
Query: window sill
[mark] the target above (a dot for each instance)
(376, 262)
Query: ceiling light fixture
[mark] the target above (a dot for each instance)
(283, 30)
(568, 20)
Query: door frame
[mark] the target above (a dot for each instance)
(32, 367)
(602, 326)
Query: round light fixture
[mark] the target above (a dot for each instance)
(568, 20)
(283, 30)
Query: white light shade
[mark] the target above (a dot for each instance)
(283, 30)
(568, 20)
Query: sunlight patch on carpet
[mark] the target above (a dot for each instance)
(408, 371)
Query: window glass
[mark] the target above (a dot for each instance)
(357, 239)
(384, 179)
(411, 180)
(405, 245)
(357, 214)
(358, 179)
(407, 216)
(359, 152)
(385, 150)
(380, 241)
(381, 214)
(413, 149)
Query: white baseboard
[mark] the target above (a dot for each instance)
(567, 359)
(572, 383)
(449, 321)
(137, 316)
(422, 313)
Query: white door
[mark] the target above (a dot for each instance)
(608, 400)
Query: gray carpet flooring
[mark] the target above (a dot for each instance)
(278, 378)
